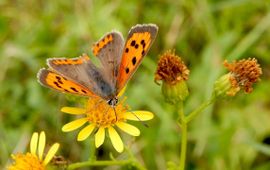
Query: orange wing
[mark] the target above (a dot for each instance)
(138, 43)
(56, 81)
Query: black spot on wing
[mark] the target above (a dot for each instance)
(143, 52)
(57, 84)
(84, 91)
(60, 81)
(127, 70)
(133, 43)
(74, 89)
(134, 60)
(58, 78)
(143, 43)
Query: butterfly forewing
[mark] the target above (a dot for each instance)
(109, 51)
(138, 43)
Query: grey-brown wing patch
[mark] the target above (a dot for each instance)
(109, 51)
(82, 71)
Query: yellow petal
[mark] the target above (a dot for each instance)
(51, 153)
(122, 91)
(33, 143)
(41, 144)
(99, 137)
(85, 132)
(142, 115)
(116, 140)
(74, 125)
(73, 110)
(130, 129)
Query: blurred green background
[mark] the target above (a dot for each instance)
(232, 134)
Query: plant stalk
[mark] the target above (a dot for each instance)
(183, 126)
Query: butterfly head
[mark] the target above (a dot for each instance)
(113, 101)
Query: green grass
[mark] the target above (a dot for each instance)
(231, 134)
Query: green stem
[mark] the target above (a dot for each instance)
(92, 156)
(183, 146)
(98, 163)
(183, 126)
(92, 162)
(199, 109)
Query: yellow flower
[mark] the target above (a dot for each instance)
(103, 117)
(34, 159)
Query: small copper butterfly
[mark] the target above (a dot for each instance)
(119, 60)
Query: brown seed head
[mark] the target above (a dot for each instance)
(244, 73)
(171, 68)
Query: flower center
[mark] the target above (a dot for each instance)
(27, 161)
(102, 114)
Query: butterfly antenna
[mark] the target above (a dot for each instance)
(143, 123)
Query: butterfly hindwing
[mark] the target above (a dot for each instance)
(139, 41)
(55, 81)
(82, 71)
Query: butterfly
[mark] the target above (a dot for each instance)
(118, 59)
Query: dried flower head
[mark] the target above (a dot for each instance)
(244, 74)
(173, 73)
(171, 68)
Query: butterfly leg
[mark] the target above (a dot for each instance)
(115, 114)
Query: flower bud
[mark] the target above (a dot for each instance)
(175, 93)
